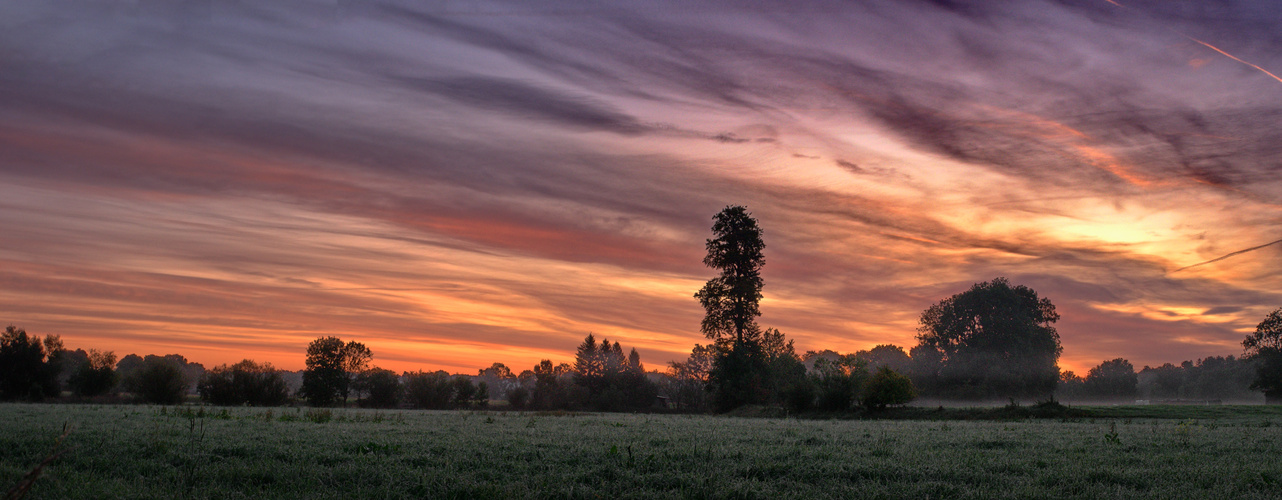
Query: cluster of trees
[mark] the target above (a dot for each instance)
(991, 342)
(749, 365)
(33, 369)
(244, 383)
(29, 365)
(337, 370)
(602, 378)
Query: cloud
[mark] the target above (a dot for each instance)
(527, 100)
(504, 178)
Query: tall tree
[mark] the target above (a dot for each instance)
(1264, 346)
(731, 299)
(731, 306)
(589, 370)
(992, 341)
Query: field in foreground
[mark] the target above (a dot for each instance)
(156, 452)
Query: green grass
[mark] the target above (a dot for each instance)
(154, 452)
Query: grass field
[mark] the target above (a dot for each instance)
(155, 452)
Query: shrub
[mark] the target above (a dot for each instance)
(518, 397)
(429, 390)
(244, 383)
(158, 381)
(381, 387)
(837, 383)
(887, 387)
(95, 376)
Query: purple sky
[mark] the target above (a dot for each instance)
(459, 183)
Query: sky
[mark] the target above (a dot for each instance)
(460, 183)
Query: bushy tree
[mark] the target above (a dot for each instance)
(1221, 377)
(688, 380)
(499, 378)
(382, 388)
(131, 363)
(787, 384)
(886, 387)
(432, 391)
(992, 341)
(157, 381)
(1264, 346)
(244, 383)
(518, 397)
(886, 355)
(1071, 386)
(29, 366)
(1114, 379)
(332, 366)
(837, 384)
(96, 375)
(555, 387)
(439, 391)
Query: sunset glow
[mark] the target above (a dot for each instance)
(456, 187)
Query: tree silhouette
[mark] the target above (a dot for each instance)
(1114, 379)
(158, 381)
(29, 366)
(1264, 345)
(730, 300)
(96, 376)
(609, 380)
(244, 383)
(887, 387)
(992, 341)
(332, 366)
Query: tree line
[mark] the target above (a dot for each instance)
(994, 341)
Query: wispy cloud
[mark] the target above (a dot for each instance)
(456, 185)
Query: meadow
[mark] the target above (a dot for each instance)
(117, 451)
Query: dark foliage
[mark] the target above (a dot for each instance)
(886, 355)
(1111, 380)
(29, 366)
(731, 299)
(429, 390)
(554, 387)
(739, 376)
(157, 381)
(439, 391)
(332, 366)
(992, 341)
(887, 387)
(95, 376)
(610, 380)
(244, 383)
(837, 383)
(686, 385)
(499, 379)
(1216, 377)
(131, 363)
(381, 388)
(1265, 346)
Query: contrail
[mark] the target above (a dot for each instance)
(1217, 259)
(1212, 47)
(1233, 57)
